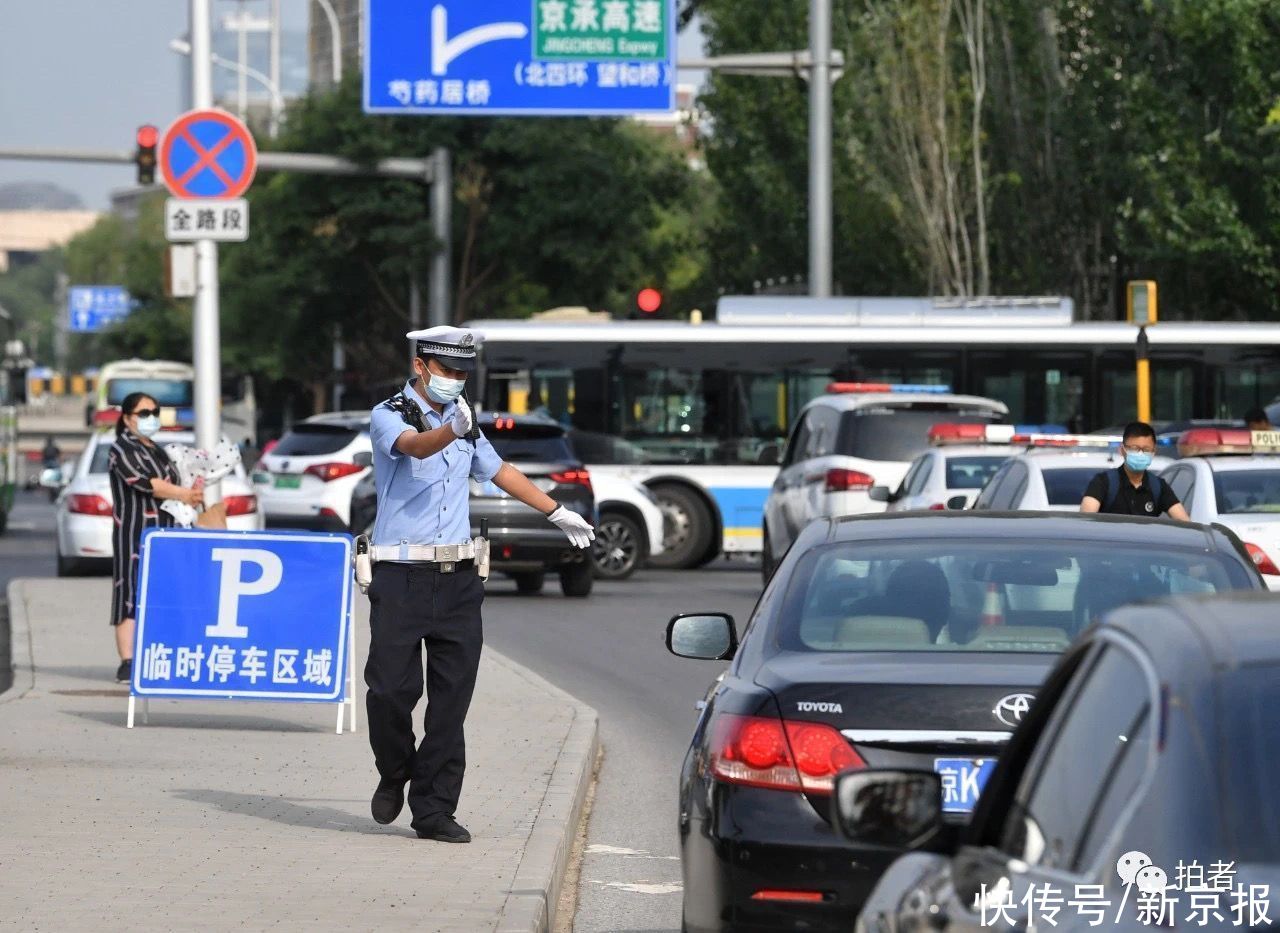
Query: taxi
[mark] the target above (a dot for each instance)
(963, 457)
(1231, 477)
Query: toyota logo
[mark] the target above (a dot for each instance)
(1010, 710)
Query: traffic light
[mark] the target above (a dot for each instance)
(145, 157)
(649, 300)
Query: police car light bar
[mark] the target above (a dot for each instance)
(1205, 442)
(1067, 440)
(948, 433)
(848, 388)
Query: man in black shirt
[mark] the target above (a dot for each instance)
(1130, 489)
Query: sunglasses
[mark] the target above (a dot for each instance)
(146, 412)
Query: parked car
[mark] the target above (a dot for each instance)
(913, 640)
(630, 530)
(309, 479)
(83, 509)
(1051, 478)
(524, 545)
(1151, 749)
(1232, 477)
(857, 436)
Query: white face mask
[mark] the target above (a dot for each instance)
(148, 426)
(442, 389)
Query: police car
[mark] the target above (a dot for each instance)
(1052, 473)
(1232, 477)
(857, 436)
(962, 459)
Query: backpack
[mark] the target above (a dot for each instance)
(1113, 490)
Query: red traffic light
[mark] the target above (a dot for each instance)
(649, 300)
(148, 136)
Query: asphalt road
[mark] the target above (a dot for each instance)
(606, 650)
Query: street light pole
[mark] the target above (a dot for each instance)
(273, 89)
(335, 35)
(206, 350)
(820, 149)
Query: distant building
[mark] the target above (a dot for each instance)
(26, 234)
(320, 41)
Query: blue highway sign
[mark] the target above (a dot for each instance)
(93, 307)
(520, 57)
(258, 615)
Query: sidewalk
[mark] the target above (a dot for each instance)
(249, 815)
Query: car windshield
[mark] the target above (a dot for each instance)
(310, 440)
(529, 443)
(1244, 491)
(1250, 697)
(979, 594)
(1066, 485)
(171, 392)
(901, 432)
(971, 472)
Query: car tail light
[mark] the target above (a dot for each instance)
(1260, 560)
(760, 751)
(573, 477)
(331, 471)
(88, 504)
(848, 480)
(241, 505)
(787, 895)
(938, 507)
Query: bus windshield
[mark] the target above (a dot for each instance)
(172, 392)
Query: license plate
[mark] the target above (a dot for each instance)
(288, 480)
(262, 478)
(962, 781)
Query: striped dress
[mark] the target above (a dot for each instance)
(132, 464)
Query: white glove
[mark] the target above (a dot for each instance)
(463, 419)
(575, 527)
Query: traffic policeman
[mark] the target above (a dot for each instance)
(425, 587)
(1130, 489)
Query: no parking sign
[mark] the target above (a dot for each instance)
(207, 156)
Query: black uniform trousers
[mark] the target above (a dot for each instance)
(412, 605)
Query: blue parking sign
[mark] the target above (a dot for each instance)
(256, 615)
(520, 57)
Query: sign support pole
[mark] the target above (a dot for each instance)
(1143, 377)
(820, 149)
(438, 310)
(206, 342)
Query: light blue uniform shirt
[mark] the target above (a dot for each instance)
(425, 501)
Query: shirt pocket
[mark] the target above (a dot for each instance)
(430, 469)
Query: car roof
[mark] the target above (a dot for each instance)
(1230, 464)
(1233, 628)
(342, 418)
(975, 450)
(531, 418)
(1048, 457)
(850, 401)
(1045, 526)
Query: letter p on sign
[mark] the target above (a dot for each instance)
(233, 586)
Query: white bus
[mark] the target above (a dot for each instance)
(700, 413)
(171, 384)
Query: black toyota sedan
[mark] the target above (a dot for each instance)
(906, 641)
(1145, 776)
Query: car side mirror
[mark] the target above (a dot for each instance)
(957, 503)
(363, 458)
(704, 636)
(880, 494)
(893, 808)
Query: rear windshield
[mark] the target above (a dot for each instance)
(1250, 699)
(309, 440)
(1066, 485)
(170, 392)
(901, 432)
(1244, 491)
(971, 472)
(961, 594)
(530, 443)
(99, 462)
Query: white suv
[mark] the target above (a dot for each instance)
(858, 436)
(307, 480)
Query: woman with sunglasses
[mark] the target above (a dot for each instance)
(141, 475)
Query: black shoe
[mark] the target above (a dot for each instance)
(445, 830)
(124, 673)
(388, 799)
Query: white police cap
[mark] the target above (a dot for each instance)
(455, 347)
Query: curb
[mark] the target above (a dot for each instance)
(19, 644)
(535, 890)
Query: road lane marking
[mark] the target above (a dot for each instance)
(643, 887)
(600, 849)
